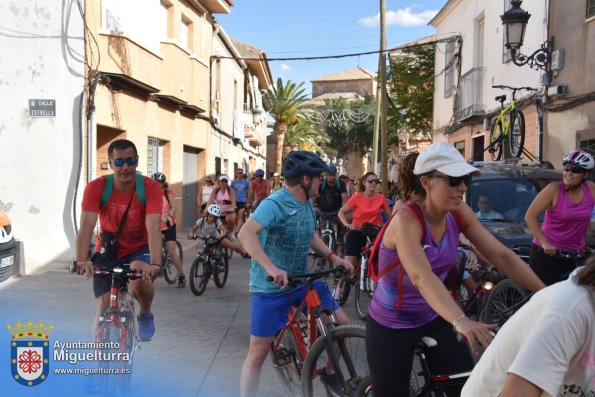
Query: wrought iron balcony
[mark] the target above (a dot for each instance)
(469, 95)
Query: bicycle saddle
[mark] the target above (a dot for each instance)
(501, 98)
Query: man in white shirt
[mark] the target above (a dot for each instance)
(485, 209)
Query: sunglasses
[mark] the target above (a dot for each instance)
(239, 173)
(120, 162)
(208, 180)
(454, 181)
(375, 181)
(574, 170)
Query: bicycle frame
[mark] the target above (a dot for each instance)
(503, 120)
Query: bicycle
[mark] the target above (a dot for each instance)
(117, 328)
(330, 235)
(211, 261)
(508, 133)
(307, 344)
(508, 297)
(364, 285)
(486, 277)
(168, 270)
(423, 382)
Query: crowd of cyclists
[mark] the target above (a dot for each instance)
(275, 222)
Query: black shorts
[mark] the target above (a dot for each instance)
(240, 206)
(101, 285)
(354, 242)
(170, 233)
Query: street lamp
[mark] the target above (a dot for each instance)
(515, 22)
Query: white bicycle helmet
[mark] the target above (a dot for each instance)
(214, 210)
(580, 159)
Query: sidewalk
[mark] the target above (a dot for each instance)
(198, 349)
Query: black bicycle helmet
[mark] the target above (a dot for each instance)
(159, 177)
(301, 162)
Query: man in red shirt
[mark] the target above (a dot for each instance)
(259, 189)
(138, 241)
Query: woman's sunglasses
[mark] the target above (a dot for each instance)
(574, 170)
(454, 181)
(375, 181)
(120, 162)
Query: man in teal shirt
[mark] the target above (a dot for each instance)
(278, 236)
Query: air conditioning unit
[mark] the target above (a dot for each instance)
(558, 59)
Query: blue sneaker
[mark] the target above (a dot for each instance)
(146, 326)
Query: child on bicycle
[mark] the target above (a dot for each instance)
(211, 225)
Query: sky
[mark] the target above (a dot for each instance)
(306, 28)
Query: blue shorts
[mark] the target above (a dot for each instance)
(270, 309)
(101, 285)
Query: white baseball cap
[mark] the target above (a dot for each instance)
(443, 157)
(276, 174)
(224, 177)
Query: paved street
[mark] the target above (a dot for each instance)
(200, 343)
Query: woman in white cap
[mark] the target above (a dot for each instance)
(276, 184)
(418, 251)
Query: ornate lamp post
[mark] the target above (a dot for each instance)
(515, 22)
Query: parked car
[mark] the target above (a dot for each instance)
(511, 188)
(8, 247)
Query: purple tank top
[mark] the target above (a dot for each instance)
(565, 224)
(414, 311)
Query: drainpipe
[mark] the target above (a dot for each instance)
(91, 130)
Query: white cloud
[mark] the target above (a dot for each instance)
(285, 67)
(403, 17)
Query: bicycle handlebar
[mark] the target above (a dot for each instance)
(301, 278)
(131, 274)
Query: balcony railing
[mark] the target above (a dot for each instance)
(470, 93)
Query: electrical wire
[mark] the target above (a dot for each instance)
(312, 58)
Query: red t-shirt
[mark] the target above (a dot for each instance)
(134, 231)
(367, 209)
(260, 189)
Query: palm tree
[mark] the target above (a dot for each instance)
(305, 135)
(286, 101)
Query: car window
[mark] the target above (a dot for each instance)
(508, 198)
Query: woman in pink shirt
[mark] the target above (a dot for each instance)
(568, 206)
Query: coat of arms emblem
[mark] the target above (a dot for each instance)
(29, 352)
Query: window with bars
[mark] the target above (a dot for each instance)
(153, 156)
(449, 69)
(590, 8)
(460, 146)
(588, 145)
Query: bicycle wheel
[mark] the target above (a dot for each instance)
(220, 271)
(517, 133)
(170, 273)
(418, 386)
(495, 147)
(288, 363)
(112, 335)
(504, 300)
(344, 284)
(349, 350)
(364, 290)
(365, 388)
(199, 275)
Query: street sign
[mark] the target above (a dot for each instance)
(42, 108)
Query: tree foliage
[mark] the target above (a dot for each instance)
(286, 101)
(305, 135)
(351, 136)
(410, 84)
